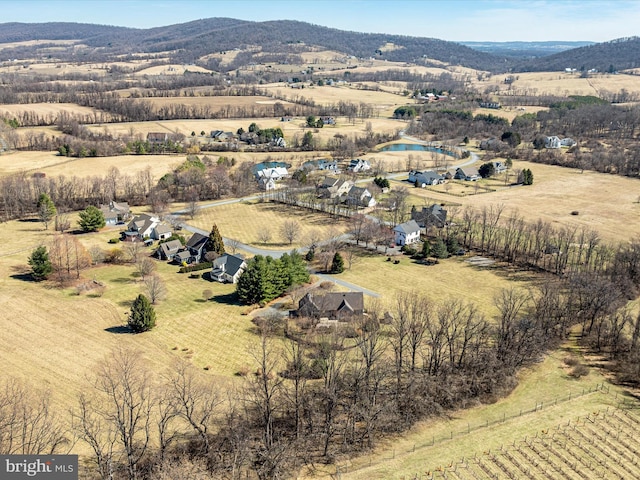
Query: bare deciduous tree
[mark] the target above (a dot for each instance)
(145, 267)
(155, 288)
(196, 401)
(125, 400)
(264, 236)
(290, 230)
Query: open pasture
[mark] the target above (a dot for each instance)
(172, 70)
(605, 203)
(562, 84)
(54, 337)
(53, 164)
(328, 94)
(51, 110)
(451, 279)
(216, 102)
(247, 222)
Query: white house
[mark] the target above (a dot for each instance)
(227, 268)
(552, 142)
(407, 233)
(359, 165)
(360, 197)
(146, 226)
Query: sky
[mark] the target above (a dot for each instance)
(454, 20)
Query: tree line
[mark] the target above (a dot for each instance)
(308, 396)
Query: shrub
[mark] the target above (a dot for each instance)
(195, 267)
(579, 370)
(114, 240)
(575, 212)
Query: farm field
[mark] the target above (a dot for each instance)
(213, 101)
(560, 83)
(606, 203)
(333, 94)
(53, 164)
(51, 110)
(62, 343)
(450, 279)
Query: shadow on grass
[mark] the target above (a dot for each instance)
(125, 303)
(120, 329)
(24, 277)
(123, 280)
(29, 220)
(226, 299)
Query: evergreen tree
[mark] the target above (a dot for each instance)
(266, 278)
(527, 177)
(142, 316)
(46, 209)
(439, 249)
(337, 265)
(215, 243)
(487, 170)
(91, 219)
(452, 245)
(40, 264)
(426, 249)
(250, 284)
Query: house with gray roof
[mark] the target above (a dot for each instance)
(115, 212)
(469, 174)
(332, 305)
(407, 233)
(332, 187)
(227, 268)
(195, 245)
(168, 250)
(424, 179)
(360, 197)
(431, 216)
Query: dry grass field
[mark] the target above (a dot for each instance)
(326, 95)
(45, 109)
(606, 203)
(215, 102)
(561, 84)
(53, 164)
(247, 221)
(54, 337)
(453, 278)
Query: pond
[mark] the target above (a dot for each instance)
(404, 147)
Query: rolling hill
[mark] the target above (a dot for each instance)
(193, 42)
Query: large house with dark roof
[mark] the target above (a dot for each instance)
(431, 216)
(195, 246)
(331, 305)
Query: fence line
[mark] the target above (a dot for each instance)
(435, 440)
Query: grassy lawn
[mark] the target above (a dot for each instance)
(245, 222)
(451, 278)
(53, 337)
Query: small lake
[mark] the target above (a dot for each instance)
(405, 147)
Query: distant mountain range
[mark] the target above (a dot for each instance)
(524, 49)
(192, 42)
